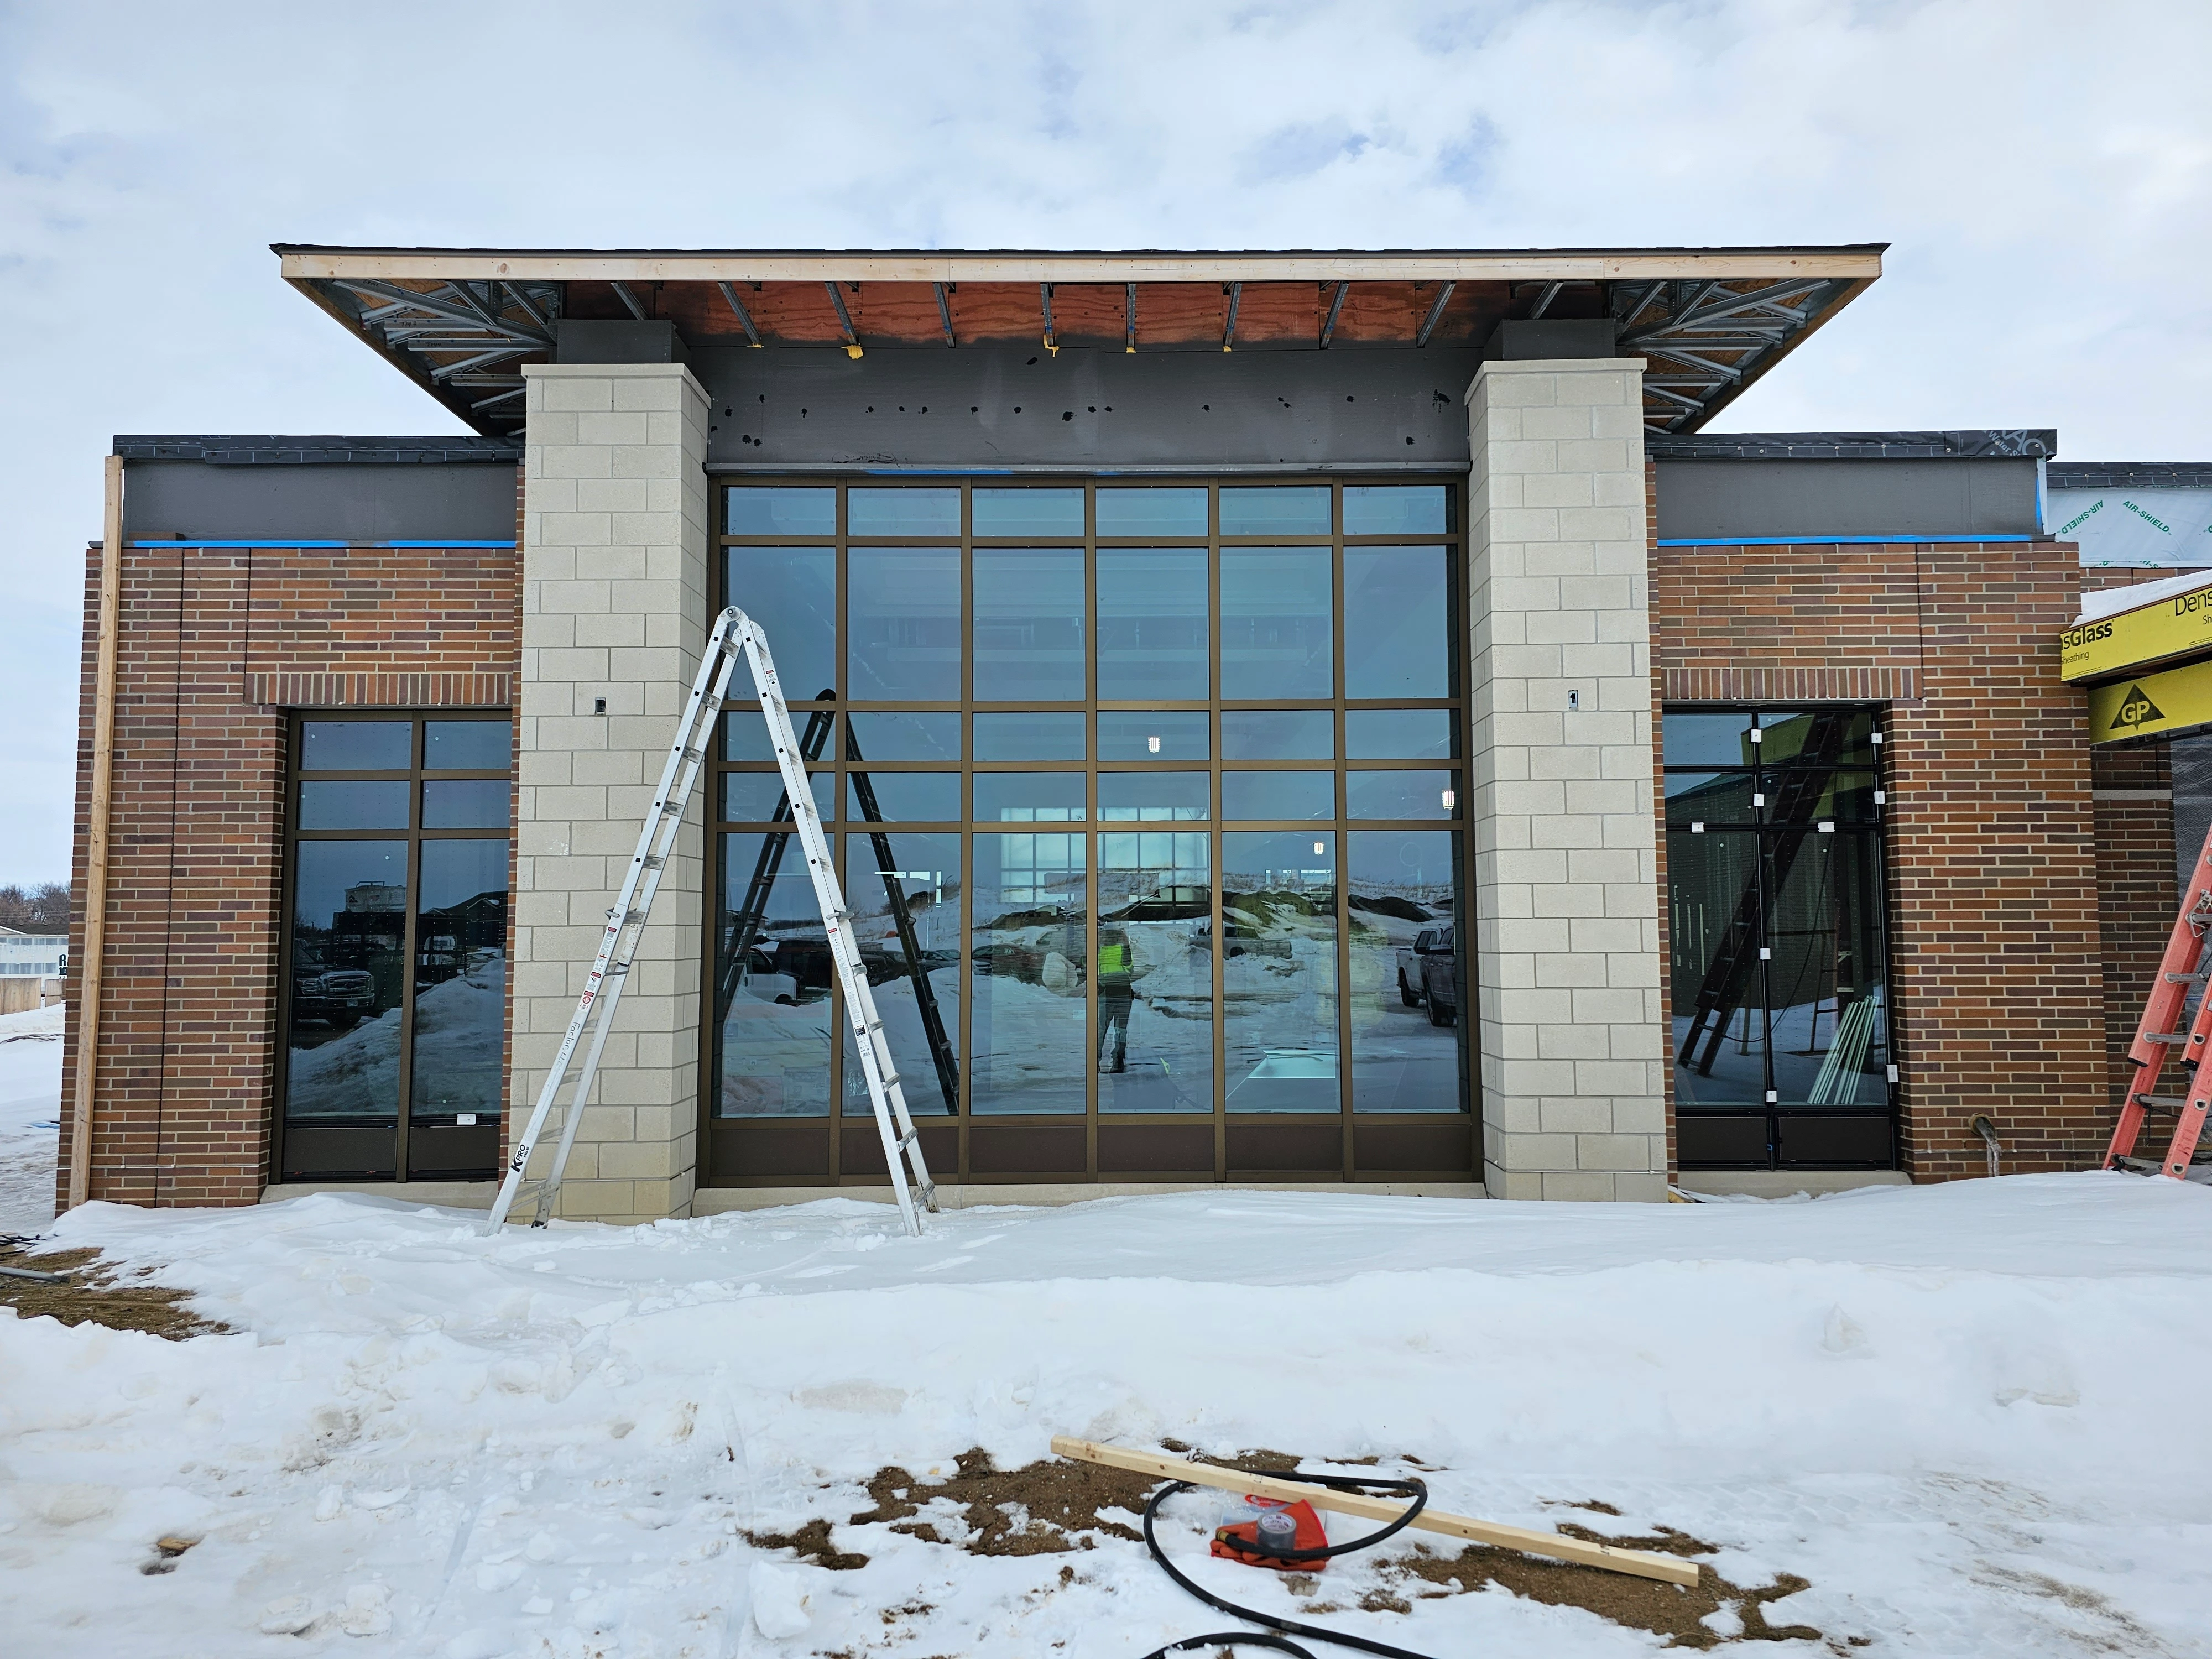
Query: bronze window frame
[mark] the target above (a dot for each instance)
(281, 1130)
(1844, 1137)
(854, 1158)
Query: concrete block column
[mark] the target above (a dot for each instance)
(1566, 854)
(614, 606)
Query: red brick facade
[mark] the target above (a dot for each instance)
(215, 640)
(1994, 939)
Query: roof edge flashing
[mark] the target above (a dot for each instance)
(1993, 444)
(319, 450)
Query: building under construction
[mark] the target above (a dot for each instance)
(1281, 718)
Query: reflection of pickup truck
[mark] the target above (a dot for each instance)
(1428, 975)
(333, 996)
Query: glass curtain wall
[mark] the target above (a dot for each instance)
(1145, 798)
(394, 990)
(1778, 944)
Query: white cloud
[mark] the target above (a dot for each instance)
(2044, 173)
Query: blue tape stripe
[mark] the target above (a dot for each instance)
(1827, 541)
(282, 541)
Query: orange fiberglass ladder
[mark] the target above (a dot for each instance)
(2186, 965)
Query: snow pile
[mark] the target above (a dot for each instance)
(355, 1075)
(30, 1116)
(1934, 1405)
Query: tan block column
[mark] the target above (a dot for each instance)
(1566, 853)
(615, 585)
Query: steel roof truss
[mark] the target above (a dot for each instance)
(744, 317)
(434, 306)
(503, 354)
(1335, 307)
(520, 295)
(1435, 312)
(1675, 354)
(844, 317)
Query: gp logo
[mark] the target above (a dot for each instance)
(2135, 710)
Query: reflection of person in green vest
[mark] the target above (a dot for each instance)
(1116, 994)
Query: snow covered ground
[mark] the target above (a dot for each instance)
(30, 1125)
(1941, 1406)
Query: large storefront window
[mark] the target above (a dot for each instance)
(1779, 965)
(395, 989)
(1146, 799)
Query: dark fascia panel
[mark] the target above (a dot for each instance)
(282, 491)
(1894, 498)
(992, 410)
(2025, 444)
(589, 341)
(1524, 339)
(277, 451)
(2129, 475)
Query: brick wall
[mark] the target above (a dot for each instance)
(1995, 940)
(181, 1108)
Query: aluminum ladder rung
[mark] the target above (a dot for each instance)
(2165, 1036)
(2163, 1103)
(734, 636)
(2187, 979)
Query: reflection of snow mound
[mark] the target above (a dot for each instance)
(355, 1076)
(457, 1029)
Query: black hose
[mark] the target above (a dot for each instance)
(1414, 1489)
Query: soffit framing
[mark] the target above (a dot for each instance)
(462, 322)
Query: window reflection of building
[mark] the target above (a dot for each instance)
(1777, 937)
(1260, 679)
(397, 950)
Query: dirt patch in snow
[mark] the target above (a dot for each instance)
(812, 1543)
(1043, 1508)
(1675, 1612)
(1052, 1507)
(97, 1294)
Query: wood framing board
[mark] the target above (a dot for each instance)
(1641, 1564)
(96, 839)
(303, 263)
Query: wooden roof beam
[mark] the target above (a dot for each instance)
(1775, 264)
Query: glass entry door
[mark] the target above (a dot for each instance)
(1778, 949)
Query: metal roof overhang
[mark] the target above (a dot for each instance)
(461, 322)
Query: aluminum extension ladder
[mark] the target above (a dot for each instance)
(734, 634)
(2186, 965)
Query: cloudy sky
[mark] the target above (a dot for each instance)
(2043, 172)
